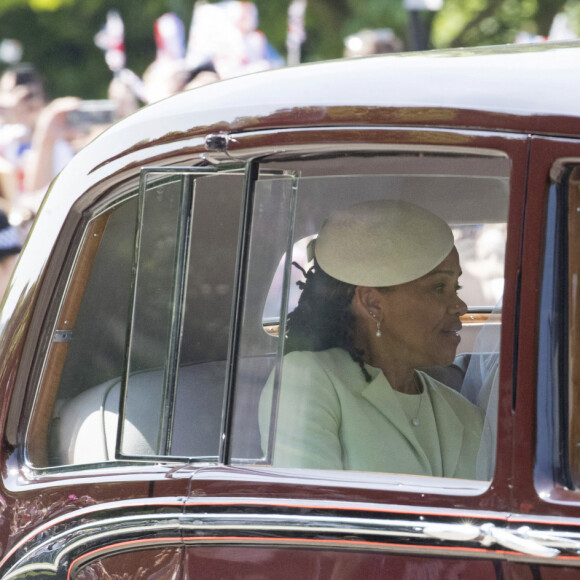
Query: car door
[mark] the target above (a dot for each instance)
(247, 516)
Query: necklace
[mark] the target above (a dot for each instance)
(415, 420)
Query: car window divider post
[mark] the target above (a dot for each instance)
(174, 344)
(251, 171)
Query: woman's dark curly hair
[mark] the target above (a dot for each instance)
(323, 318)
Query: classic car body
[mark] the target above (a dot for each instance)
(143, 321)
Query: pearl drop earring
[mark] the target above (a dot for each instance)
(378, 333)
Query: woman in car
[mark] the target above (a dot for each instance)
(379, 304)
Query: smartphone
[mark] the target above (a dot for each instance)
(90, 113)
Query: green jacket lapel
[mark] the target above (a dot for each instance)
(449, 428)
(380, 394)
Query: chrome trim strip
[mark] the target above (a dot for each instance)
(51, 550)
(243, 150)
(53, 555)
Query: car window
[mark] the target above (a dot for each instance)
(574, 324)
(558, 452)
(183, 291)
(292, 427)
(182, 314)
(88, 342)
(137, 365)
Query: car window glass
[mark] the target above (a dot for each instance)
(573, 307)
(558, 450)
(273, 203)
(182, 314)
(303, 425)
(179, 313)
(88, 345)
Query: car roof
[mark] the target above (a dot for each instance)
(514, 88)
(521, 88)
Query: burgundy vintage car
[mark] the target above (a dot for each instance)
(149, 310)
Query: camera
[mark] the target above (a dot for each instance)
(91, 113)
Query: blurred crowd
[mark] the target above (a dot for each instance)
(36, 139)
(39, 136)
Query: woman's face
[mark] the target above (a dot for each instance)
(420, 319)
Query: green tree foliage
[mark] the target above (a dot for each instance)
(487, 22)
(328, 22)
(58, 37)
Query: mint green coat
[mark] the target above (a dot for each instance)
(329, 417)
